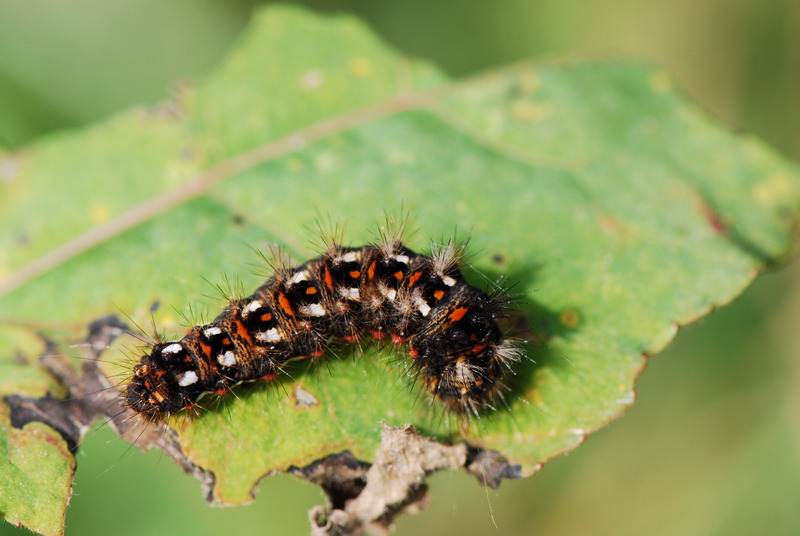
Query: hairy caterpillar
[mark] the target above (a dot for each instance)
(381, 290)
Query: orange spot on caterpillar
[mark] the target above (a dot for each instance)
(412, 352)
(310, 291)
(283, 301)
(378, 335)
(328, 279)
(221, 391)
(414, 278)
(439, 294)
(205, 348)
(371, 270)
(355, 274)
(398, 275)
(318, 353)
(268, 377)
(266, 317)
(241, 330)
(458, 314)
(433, 383)
(397, 339)
(351, 338)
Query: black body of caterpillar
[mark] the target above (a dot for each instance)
(383, 290)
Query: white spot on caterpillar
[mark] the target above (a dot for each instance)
(464, 373)
(173, 348)
(402, 258)
(423, 308)
(313, 309)
(449, 281)
(302, 275)
(254, 305)
(391, 294)
(271, 335)
(187, 378)
(212, 332)
(228, 359)
(350, 256)
(351, 293)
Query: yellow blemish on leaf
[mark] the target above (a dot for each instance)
(398, 157)
(494, 122)
(99, 213)
(4, 272)
(527, 111)
(312, 79)
(360, 67)
(660, 82)
(773, 191)
(569, 318)
(325, 161)
(613, 226)
(529, 82)
(294, 164)
(533, 396)
(9, 169)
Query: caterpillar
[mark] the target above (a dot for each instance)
(383, 290)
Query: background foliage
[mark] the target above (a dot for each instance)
(712, 445)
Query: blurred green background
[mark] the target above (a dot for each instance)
(713, 444)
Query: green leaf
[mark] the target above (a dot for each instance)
(36, 466)
(616, 209)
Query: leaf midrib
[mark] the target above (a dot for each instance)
(204, 181)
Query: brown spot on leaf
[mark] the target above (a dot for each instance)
(611, 225)
(569, 318)
(713, 218)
